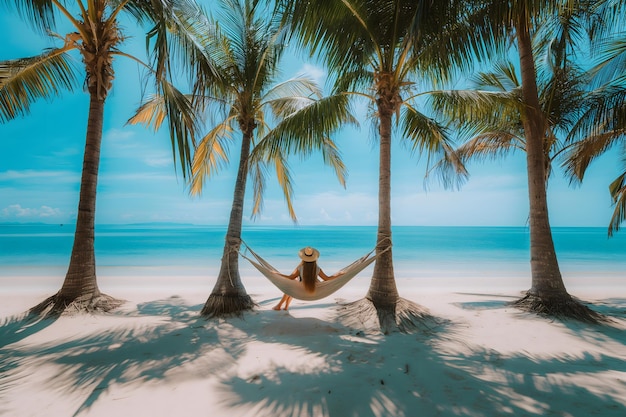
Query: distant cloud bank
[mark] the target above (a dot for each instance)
(17, 212)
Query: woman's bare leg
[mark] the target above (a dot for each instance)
(280, 303)
(289, 298)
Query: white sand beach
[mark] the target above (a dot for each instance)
(156, 357)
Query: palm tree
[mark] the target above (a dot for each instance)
(490, 113)
(97, 37)
(492, 118)
(537, 114)
(603, 128)
(603, 125)
(245, 48)
(376, 49)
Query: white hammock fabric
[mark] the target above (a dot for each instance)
(296, 289)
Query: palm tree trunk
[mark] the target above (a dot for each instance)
(546, 276)
(383, 309)
(81, 275)
(383, 290)
(80, 287)
(229, 296)
(547, 294)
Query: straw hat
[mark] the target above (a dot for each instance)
(309, 254)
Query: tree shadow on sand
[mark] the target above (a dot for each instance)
(603, 311)
(610, 333)
(612, 307)
(16, 328)
(274, 364)
(87, 367)
(412, 375)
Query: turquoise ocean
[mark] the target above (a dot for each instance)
(43, 249)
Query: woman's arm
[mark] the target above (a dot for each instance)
(295, 274)
(326, 277)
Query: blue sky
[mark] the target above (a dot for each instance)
(41, 159)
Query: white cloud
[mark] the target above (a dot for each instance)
(324, 214)
(507, 181)
(316, 73)
(126, 144)
(158, 161)
(336, 208)
(12, 175)
(66, 152)
(156, 178)
(122, 138)
(18, 212)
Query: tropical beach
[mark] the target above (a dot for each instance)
(239, 153)
(156, 355)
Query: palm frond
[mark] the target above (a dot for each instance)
(449, 169)
(491, 145)
(612, 60)
(180, 33)
(210, 155)
(332, 158)
(345, 39)
(290, 96)
(23, 81)
(618, 194)
(262, 127)
(577, 160)
(299, 86)
(151, 114)
(604, 111)
(38, 13)
(304, 131)
(600, 127)
(294, 87)
(286, 106)
(503, 78)
(255, 41)
(175, 107)
(474, 112)
(355, 80)
(427, 136)
(452, 36)
(257, 172)
(563, 98)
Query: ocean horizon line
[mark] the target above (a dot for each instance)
(456, 248)
(287, 226)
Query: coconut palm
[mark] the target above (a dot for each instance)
(603, 125)
(490, 113)
(492, 119)
(275, 119)
(377, 50)
(97, 37)
(537, 114)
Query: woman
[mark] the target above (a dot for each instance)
(307, 271)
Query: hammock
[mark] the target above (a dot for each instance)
(295, 288)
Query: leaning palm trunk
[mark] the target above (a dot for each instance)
(80, 288)
(229, 296)
(547, 294)
(382, 308)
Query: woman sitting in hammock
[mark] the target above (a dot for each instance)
(307, 271)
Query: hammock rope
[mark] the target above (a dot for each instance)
(323, 289)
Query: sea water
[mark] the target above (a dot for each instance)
(182, 248)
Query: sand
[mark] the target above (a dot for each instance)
(156, 357)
